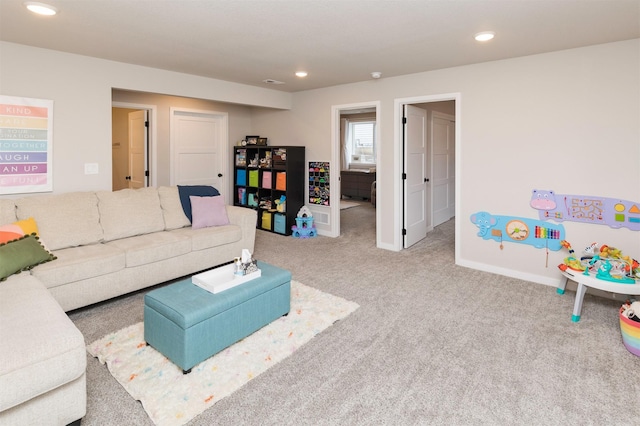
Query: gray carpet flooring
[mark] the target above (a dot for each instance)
(432, 343)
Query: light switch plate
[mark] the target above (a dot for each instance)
(91, 168)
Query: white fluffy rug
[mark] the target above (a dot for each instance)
(172, 398)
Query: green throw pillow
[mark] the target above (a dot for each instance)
(22, 255)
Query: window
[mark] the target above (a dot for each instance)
(361, 144)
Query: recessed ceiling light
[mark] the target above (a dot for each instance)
(301, 74)
(484, 36)
(40, 8)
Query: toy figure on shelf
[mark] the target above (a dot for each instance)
(281, 204)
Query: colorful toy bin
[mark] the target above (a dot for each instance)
(630, 334)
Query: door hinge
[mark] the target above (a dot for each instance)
(404, 120)
(404, 231)
(404, 176)
(146, 124)
(146, 173)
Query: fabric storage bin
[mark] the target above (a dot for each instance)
(253, 178)
(281, 181)
(280, 223)
(630, 331)
(241, 177)
(266, 179)
(242, 196)
(266, 220)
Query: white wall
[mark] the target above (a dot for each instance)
(81, 87)
(566, 121)
(239, 124)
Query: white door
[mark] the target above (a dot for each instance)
(443, 155)
(137, 149)
(199, 142)
(416, 181)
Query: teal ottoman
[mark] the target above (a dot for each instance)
(188, 324)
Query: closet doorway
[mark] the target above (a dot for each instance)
(430, 123)
(132, 130)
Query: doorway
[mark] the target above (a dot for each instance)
(133, 145)
(337, 153)
(429, 164)
(199, 148)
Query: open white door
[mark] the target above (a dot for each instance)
(443, 155)
(137, 149)
(416, 181)
(199, 142)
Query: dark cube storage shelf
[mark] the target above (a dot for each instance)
(262, 175)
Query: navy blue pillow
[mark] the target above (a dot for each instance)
(196, 190)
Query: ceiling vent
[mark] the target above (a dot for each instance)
(272, 81)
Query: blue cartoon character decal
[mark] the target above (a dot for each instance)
(587, 209)
(523, 230)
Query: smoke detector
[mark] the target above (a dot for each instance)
(376, 74)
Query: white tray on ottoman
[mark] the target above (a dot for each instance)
(222, 278)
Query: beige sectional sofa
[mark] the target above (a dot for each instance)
(107, 244)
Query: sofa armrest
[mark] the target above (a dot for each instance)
(246, 219)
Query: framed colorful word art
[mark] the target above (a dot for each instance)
(26, 138)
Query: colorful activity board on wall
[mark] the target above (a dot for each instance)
(521, 230)
(319, 183)
(26, 134)
(587, 209)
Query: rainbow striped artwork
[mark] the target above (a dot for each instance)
(26, 129)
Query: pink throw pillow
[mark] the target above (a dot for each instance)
(208, 211)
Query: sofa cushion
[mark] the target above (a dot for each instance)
(129, 212)
(202, 239)
(208, 211)
(80, 263)
(21, 255)
(64, 220)
(41, 348)
(150, 248)
(172, 211)
(7, 211)
(196, 190)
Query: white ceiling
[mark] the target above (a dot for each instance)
(336, 41)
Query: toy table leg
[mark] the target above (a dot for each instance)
(562, 286)
(577, 306)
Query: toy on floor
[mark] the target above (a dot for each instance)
(304, 227)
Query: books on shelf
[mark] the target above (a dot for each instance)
(241, 157)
